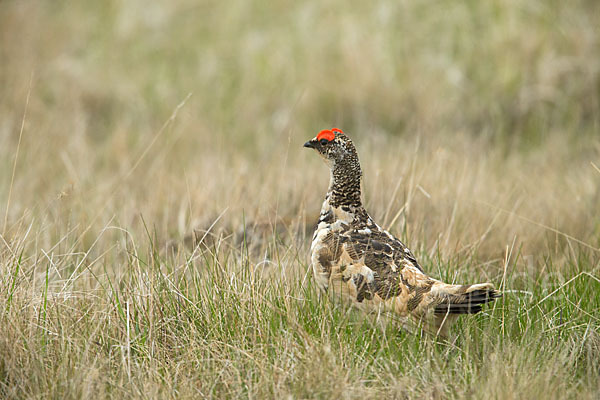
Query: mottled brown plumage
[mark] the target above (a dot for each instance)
(352, 257)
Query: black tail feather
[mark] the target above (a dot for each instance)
(469, 303)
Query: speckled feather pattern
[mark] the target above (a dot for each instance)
(354, 258)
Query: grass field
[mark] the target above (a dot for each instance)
(156, 204)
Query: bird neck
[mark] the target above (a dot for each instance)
(344, 186)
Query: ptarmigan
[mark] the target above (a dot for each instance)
(357, 260)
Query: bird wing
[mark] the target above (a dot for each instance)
(375, 263)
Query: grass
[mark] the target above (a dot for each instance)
(216, 325)
(125, 128)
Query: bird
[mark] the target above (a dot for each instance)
(356, 260)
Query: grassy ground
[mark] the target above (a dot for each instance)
(156, 204)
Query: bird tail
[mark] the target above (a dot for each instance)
(465, 299)
(452, 300)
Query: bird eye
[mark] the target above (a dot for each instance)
(324, 141)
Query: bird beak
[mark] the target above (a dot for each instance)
(310, 144)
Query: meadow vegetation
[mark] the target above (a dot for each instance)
(156, 204)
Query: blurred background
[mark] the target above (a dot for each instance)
(477, 122)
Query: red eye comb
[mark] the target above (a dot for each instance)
(336, 130)
(326, 134)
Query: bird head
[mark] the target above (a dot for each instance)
(334, 147)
